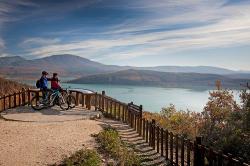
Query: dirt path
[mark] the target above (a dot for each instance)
(33, 143)
(31, 138)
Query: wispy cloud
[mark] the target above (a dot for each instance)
(2, 44)
(38, 41)
(208, 25)
(144, 28)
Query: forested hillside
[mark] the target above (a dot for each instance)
(8, 86)
(163, 79)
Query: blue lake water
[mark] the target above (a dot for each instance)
(153, 98)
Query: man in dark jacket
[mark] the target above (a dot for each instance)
(44, 84)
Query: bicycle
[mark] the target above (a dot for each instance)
(38, 103)
(71, 100)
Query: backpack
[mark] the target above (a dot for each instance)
(38, 83)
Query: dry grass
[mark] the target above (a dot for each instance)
(9, 87)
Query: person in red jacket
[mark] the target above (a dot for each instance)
(55, 82)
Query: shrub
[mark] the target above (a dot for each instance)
(83, 157)
(110, 143)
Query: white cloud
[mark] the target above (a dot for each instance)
(38, 41)
(2, 44)
(213, 24)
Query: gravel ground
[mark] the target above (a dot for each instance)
(33, 143)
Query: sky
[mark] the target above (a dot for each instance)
(130, 32)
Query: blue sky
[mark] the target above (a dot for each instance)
(129, 32)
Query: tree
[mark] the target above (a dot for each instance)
(225, 124)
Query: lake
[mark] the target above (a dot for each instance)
(153, 98)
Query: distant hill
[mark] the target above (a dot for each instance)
(70, 67)
(163, 79)
(191, 69)
(8, 86)
(67, 65)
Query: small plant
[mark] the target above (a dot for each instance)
(83, 157)
(111, 144)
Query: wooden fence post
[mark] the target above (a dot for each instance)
(99, 102)
(220, 159)
(153, 133)
(158, 138)
(77, 98)
(14, 99)
(4, 102)
(176, 149)
(143, 128)
(129, 115)
(166, 144)
(182, 152)
(171, 147)
(83, 100)
(188, 152)
(111, 109)
(9, 100)
(29, 96)
(115, 105)
(197, 152)
(119, 111)
(162, 141)
(23, 96)
(107, 107)
(19, 98)
(96, 101)
(88, 101)
(140, 120)
(103, 103)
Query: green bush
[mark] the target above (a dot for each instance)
(110, 143)
(83, 157)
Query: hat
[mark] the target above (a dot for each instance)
(45, 73)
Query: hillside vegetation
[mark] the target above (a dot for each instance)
(223, 124)
(164, 79)
(8, 86)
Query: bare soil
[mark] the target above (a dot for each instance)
(34, 143)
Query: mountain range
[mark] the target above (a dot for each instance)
(162, 79)
(72, 67)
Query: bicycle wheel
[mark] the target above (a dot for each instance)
(63, 103)
(37, 103)
(71, 100)
(52, 100)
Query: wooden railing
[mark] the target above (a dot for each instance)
(176, 149)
